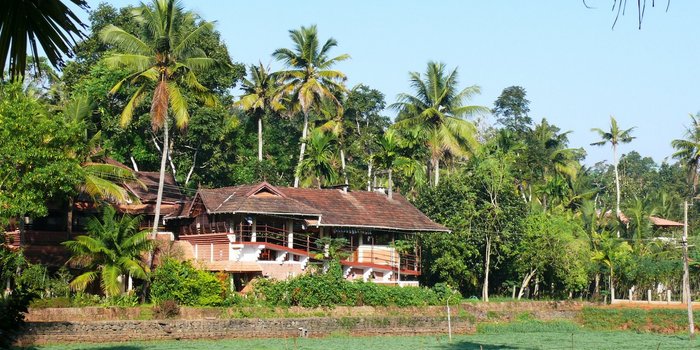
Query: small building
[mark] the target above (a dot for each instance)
(277, 232)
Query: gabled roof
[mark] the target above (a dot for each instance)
(331, 207)
(261, 199)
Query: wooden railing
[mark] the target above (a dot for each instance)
(304, 243)
(33, 237)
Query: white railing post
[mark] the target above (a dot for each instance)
(290, 233)
(254, 230)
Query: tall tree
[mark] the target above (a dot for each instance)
(309, 79)
(163, 59)
(36, 153)
(688, 151)
(438, 108)
(511, 109)
(261, 96)
(614, 137)
(49, 23)
(111, 251)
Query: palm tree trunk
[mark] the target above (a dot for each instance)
(391, 186)
(161, 182)
(436, 167)
(617, 183)
(260, 142)
(617, 186)
(342, 164)
(369, 172)
(487, 264)
(303, 148)
(69, 217)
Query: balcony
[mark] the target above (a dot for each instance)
(211, 243)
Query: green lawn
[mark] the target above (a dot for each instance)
(518, 340)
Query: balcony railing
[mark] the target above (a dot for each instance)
(303, 243)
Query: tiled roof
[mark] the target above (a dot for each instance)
(261, 198)
(335, 207)
(657, 221)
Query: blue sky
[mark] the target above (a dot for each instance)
(576, 70)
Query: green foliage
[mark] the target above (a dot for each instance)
(329, 290)
(528, 326)
(13, 306)
(639, 320)
(186, 285)
(111, 250)
(39, 146)
(511, 109)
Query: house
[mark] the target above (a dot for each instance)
(43, 236)
(261, 230)
(277, 232)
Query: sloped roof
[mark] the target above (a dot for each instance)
(364, 209)
(334, 206)
(661, 222)
(655, 220)
(261, 198)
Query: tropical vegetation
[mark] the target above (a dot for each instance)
(530, 218)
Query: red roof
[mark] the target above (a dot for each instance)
(334, 206)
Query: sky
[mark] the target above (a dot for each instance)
(576, 69)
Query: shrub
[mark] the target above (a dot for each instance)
(124, 300)
(328, 290)
(187, 285)
(13, 306)
(166, 309)
(50, 302)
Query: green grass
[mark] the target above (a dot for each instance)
(504, 339)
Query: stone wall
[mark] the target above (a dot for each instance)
(133, 330)
(96, 324)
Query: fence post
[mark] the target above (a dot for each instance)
(668, 296)
(649, 295)
(630, 297)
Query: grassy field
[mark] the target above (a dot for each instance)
(526, 335)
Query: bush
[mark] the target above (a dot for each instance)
(328, 290)
(166, 309)
(124, 300)
(13, 306)
(50, 302)
(187, 285)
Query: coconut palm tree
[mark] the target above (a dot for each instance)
(688, 151)
(309, 79)
(439, 108)
(261, 96)
(614, 137)
(49, 24)
(319, 165)
(163, 59)
(101, 180)
(111, 252)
